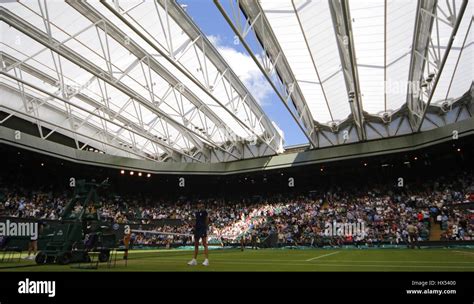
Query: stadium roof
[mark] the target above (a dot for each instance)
(135, 78)
(140, 79)
(347, 65)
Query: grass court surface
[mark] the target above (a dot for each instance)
(461, 259)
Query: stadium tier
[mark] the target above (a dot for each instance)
(263, 209)
(236, 135)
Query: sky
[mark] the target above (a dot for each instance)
(206, 15)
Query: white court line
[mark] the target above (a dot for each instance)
(322, 256)
(223, 259)
(322, 264)
(399, 261)
(468, 252)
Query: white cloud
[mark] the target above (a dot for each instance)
(246, 69)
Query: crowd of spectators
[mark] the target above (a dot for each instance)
(383, 213)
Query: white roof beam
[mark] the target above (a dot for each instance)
(205, 46)
(342, 26)
(95, 17)
(177, 13)
(289, 86)
(36, 116)
(27, 29)
(455, 22)
(421, 39)
(139, 132)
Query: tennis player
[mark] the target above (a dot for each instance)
(200, 232)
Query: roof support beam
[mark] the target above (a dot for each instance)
(311, 56)
(278, 69)
(441, 64)
(108, 139)
(419, 52)
(113, 31)
(170, 6)
(34, 118)
(176, 12)
(345, 41)
(69, 54)
(165, 147)
(140, 129)
(90, 139)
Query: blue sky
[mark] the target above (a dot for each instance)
(206, 15)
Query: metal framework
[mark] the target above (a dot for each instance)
(345, 42)
(103, 114)
(428, 58)
(60, 52)
(139, 79)
(290, 36)
(286, 88)
(239, 99)
(159, 110)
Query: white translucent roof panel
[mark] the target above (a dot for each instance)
(150, 18)
(368, 33)
(284, 24)
(382, 41)
(51, 113)
(91, 43)
(400, 24)
(24, 48)
(136, 86)
(317, 24)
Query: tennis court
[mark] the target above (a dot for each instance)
(437, 260)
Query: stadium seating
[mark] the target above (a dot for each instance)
(296, 219)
